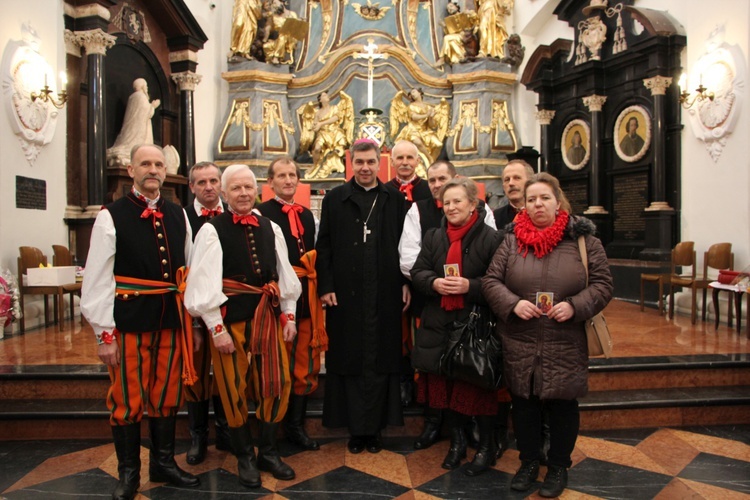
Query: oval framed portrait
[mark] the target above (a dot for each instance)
(576, 144)
(632, 134)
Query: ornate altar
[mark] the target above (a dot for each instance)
(359, 67)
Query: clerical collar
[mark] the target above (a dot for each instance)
(198, 206)
(151, 203)
(365, 188)
(283, 202)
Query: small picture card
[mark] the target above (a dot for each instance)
(544, 301)
(451, 270)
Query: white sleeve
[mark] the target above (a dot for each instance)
(489, 217)
(98, 290)
(289, 284)
(317, 228)
(203, 295)
(188, 238)
(411, 241)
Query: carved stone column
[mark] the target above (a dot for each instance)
(186, 81)
(95, 43)
(659, 216)
(545, 117)
(595, 103)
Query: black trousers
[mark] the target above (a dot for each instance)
(564, 421)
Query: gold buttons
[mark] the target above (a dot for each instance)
(125, 296)
(162, 249)
(157, 224)
(137, 294)
(164, 262)
(166, 275)
(160, 236)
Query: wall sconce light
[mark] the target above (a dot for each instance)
(700, 94)
(46, 93)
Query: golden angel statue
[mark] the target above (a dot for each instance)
(492, 32)
(425, 124)
(326, 132)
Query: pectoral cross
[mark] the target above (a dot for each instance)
(365, 232)
(370, 54)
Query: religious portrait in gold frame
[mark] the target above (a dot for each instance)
(632, 134)
(576, 144)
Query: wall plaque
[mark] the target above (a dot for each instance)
(577, 193)
(630, 193)
(31, 193)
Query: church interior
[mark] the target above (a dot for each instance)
(636, 106)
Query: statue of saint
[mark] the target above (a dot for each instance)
(329, 131)
(458, 28)
(282, 31)
(245, 17)
(492, 32)
(136, 126)
(425, 125)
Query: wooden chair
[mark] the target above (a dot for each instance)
(63, 257)
(683, 254)
(719, 256)
(32, 257)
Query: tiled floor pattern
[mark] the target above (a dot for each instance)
(667, 463)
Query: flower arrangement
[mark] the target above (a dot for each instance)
(10, 307)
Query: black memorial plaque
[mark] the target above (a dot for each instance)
(577, 193)
(630, 193)
(31, 193)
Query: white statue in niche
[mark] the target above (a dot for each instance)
(136, 126)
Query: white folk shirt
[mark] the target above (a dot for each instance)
(204, 295)
(98, 290)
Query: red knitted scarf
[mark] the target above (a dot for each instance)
(543, 241)
(455, 235)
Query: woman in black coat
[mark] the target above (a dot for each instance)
(465, 244)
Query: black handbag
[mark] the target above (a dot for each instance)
(473, 353)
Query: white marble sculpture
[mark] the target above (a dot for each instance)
(136, 127)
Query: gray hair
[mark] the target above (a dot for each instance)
(231, 171)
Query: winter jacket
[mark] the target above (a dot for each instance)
(553, 354)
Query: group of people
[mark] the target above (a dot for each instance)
(264, 289)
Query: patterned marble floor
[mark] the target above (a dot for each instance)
(696, 463)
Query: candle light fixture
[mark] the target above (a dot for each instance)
(46, 94)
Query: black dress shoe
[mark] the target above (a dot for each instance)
(356, 444)
(526, 475)
(374, 444)
(554, 482)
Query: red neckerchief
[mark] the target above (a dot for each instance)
(246, 220)
(407, 189)
(151, 212)
(543, 241)
(211, 213)
(292, 210)
(439, 204)
(455, 235)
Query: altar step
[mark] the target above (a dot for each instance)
(49, 402)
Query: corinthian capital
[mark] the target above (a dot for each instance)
(93, 41)
(186, 80)
(594, 102)
(545, 116)
(658, 84)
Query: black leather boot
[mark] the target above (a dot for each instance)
(246, 464)
(486, 454)
(223, 439)
(554, 482)
(268, 453)
(294, 423)
(502, 439)
(163, 468)
(457, 451)
(433, 419)
(128, 449)
(198, 418)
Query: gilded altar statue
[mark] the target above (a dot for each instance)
(326, 132)
(424, 124)
(459, 35)
(282, 31)
(245, 17)
(492, 32)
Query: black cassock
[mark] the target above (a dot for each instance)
(358, 260)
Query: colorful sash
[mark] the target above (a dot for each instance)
(319, 341)
(264, 341)
(136, 286)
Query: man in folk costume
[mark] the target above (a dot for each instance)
(364, 292)
(205, 184)
(404, 160)
(132, 298)
(421, 217)
(245, 291)
(300, 228)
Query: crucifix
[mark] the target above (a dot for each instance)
(370, 54)
(365, 232)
